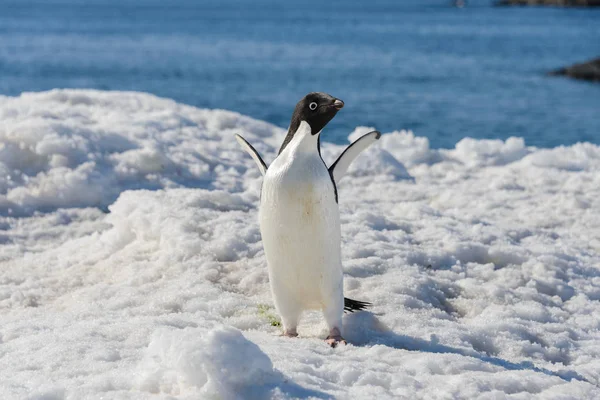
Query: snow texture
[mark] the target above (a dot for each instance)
(131, 263)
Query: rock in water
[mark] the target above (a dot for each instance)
(589, 70)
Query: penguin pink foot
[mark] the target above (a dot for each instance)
(333, 341)
(335, 338)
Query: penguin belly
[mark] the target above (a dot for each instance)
(300, 228)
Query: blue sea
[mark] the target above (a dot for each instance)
(441, 71)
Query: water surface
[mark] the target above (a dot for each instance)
(443, 72)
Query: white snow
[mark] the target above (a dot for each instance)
(131, 264)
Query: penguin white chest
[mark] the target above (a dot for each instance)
(300, 227)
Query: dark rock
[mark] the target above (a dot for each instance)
(589, 70)
(556, 3)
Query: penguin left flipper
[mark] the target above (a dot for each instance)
(340, 166)
(262, 166)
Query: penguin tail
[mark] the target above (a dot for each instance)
(355, 305)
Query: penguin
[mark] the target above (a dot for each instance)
(299, 218)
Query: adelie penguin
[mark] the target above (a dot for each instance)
(300, 220)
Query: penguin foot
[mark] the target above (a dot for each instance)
(290, 334)
(333, 341)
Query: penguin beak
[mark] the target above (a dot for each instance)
(338, 104)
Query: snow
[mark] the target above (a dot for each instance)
(223, 363)
(131, 264)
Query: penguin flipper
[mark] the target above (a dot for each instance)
(253, 153)
(340, 166)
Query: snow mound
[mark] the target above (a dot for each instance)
(83, 148)
(220, 363)
(375, 160)
(579, 157)
(408, 148)
(477, 153)
(482, 262)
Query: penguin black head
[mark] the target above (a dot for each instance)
(317, 109)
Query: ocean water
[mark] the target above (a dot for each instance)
(443, 72)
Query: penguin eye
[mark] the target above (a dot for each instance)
(312, 106)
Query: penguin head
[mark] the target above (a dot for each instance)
(317, 109)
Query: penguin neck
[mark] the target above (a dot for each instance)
(303, 141)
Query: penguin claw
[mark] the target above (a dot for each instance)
(333, 341)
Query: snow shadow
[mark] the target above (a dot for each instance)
(364, 329)
(288, 389)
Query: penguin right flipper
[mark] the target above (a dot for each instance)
(340, 166)
(262, 166)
